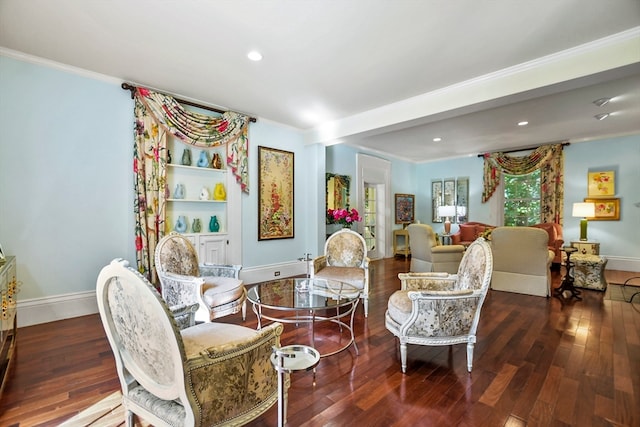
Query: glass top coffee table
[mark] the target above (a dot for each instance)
(305, 300)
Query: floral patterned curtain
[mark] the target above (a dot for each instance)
(149, 168)
(549, 159)
(157, 115)
(202, 130)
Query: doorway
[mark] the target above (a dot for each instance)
(373, 176)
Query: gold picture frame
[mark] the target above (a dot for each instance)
(601, 184)
(606, 209)
(275, 194)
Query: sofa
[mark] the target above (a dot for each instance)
(521, 261)
(427, 255)
(470, 231)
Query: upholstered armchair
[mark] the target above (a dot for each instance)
(203, 375)
(440, 308)
(217, 289)
(521, 261)
(345, 259)
(556, 239)
(427, 255)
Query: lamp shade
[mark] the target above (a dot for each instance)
(446, 211)
(584, 210)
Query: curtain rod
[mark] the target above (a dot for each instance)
(132, 88)
(564, 144)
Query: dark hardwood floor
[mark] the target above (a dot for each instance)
(538, 362)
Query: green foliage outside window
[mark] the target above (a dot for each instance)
(522, 199)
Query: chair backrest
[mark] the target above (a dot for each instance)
(143, 335)
(345, 248)
(421, 240)
(520, 249)
(476, 267)
(175, 254)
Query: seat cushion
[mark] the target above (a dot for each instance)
(213, 335)
(221, 290)
(351, 275)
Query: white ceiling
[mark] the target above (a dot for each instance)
(380, 74)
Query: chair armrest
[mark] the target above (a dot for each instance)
(447, 249)
(184, 314)
(219, 270)
(319, 263)
(445, 294)
(427, 281)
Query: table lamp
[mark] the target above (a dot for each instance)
(446, 211)
(583, 210)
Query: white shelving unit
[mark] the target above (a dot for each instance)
(211, 246)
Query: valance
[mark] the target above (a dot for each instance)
(202, 130)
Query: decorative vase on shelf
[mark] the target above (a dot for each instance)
(181, 224)
(196, 227)
(204, 194)
(216, 162)
(203, 160)
(186, 157)
(214, 225)
(219, 193)
(178, 193)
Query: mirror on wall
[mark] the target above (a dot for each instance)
(338, 191)
(450, 192)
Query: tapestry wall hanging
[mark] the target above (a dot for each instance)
(275, 196)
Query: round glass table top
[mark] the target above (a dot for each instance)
(302, 293)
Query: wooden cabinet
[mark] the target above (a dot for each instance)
(401, 243)
(191, 196)
(586, 247)
(8, 289)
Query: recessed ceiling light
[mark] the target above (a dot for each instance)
(437, 139)
(523, 123)
(602, 101)
(254, 55)
(601, 116)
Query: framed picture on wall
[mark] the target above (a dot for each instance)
(275, 194)
(601, 184)
(606, 209)
(405, 208)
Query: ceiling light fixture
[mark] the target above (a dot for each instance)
(254, 55)
(523, 123)
(437, 139)
(601, 116)
(602, 101)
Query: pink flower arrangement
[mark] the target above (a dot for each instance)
(345, 217)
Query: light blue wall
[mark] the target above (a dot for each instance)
(66, 186)
(66, 181)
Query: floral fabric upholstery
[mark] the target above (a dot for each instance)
(440, 308)
(588, 271)
(208, 374)
(216, 288)
(345, 260)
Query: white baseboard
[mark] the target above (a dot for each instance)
(622, 263)
(58, 307)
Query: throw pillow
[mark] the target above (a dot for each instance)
(467, 233)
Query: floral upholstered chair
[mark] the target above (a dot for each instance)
(217, 289)
(345, 260)
(203, 375)
(441, 308)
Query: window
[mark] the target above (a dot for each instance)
(522, 199)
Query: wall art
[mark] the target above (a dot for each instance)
(275, 195)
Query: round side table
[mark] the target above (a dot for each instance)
(289, 359)
(567, 285)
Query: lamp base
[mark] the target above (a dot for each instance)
(583, 229)
(447, 226)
